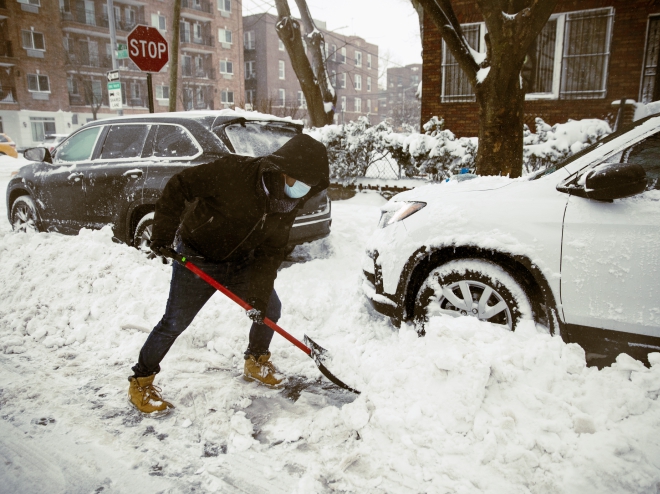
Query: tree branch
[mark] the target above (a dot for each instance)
(444, 18)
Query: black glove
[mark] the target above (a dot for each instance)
(162, 250)
(258, 311)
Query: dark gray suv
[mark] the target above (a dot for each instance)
(113, 171)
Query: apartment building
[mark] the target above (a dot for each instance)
(54, 56)
(399, 101)
(272, 86)
(589, 54)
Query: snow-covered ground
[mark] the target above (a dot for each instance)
(469, 408)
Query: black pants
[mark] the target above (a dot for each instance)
(188, 294)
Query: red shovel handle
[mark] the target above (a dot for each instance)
(240, 302)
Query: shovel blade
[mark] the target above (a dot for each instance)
(320, 355)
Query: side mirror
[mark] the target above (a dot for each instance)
(608, 181)
(38, 154)
(615, 181)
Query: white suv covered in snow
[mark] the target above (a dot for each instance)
(575, 246)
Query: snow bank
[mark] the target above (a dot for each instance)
(468, 408)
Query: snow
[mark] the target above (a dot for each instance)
(482, 74)
(468, 408)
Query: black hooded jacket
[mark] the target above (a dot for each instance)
(232, 216)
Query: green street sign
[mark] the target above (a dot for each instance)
(112, 86)
(122, 51)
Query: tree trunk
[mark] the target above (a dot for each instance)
(501, 114)
(174, 54)
(288, 30)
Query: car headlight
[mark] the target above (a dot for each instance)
(397, 211)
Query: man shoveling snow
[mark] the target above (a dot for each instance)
(238, 233)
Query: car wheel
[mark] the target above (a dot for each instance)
(142, 236)
(24, 216)
(475, 288)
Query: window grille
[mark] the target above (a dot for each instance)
(538, 71)
(456, 86)
(587, 36)
(650, 60)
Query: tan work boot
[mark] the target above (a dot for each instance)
(262, 370)
(146, 397)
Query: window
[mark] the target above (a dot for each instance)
(96, 98)
(38, 83)
(342, 58)
(334, 52)
(162, 92)
(184, 32)
(173, 141)
(197, 33)
(342, 80)
(281, 97)
(358, 105)
(248, 40)
(646, 154)
(358, 82)
(333, 78)
(302, 102)
(72, 86)
(648, 90)
(368, 106)
(281, 69)
(124, 141)
(258, 138)
(224, 35)
(41, 127)
(368, 60)
(30, 2)
(358, 58)
(78, 147)
(227, 97)
(280, 45)
(249, 96)
(249, 70)
(158, 21)
(33, 40)
(226, 67)
(455, 84)
(368, 83)
(224, 5)
(343, 103)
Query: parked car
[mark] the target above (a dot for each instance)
(575, 247)
(113, 171)
(7, 146)
(51, 141)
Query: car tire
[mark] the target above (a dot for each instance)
(142, 235)
(24, 217)
(496, 295)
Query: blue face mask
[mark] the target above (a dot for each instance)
(297, 190)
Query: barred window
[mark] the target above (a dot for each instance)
(649, 73)
(586, 54)
(539, 67)
(455, 84)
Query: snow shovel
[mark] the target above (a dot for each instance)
(312, 349)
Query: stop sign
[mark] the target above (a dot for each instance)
(147, 48)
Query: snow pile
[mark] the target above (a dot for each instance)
(552, 144)
(437, 153)
(470, 407)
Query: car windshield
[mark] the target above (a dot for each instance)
(258, 138)
(588, 149)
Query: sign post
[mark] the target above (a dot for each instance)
(149, 51)
(114, 89)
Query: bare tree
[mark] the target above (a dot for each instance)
(512, 27)
(313, 78)
(84, 88)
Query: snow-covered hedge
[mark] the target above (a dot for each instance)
(438, 153)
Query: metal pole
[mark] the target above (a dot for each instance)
(150, 93)
(113, 40)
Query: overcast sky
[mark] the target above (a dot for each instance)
(393, 25)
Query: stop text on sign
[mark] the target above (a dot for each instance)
(147, 49)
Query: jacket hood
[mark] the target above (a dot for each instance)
(305, 159)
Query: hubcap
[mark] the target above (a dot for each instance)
(24, 219)
(471, 298)
(145, 238)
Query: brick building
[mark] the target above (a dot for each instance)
(271, 84)
(54, 55)
(399, 101)
(589, 54)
